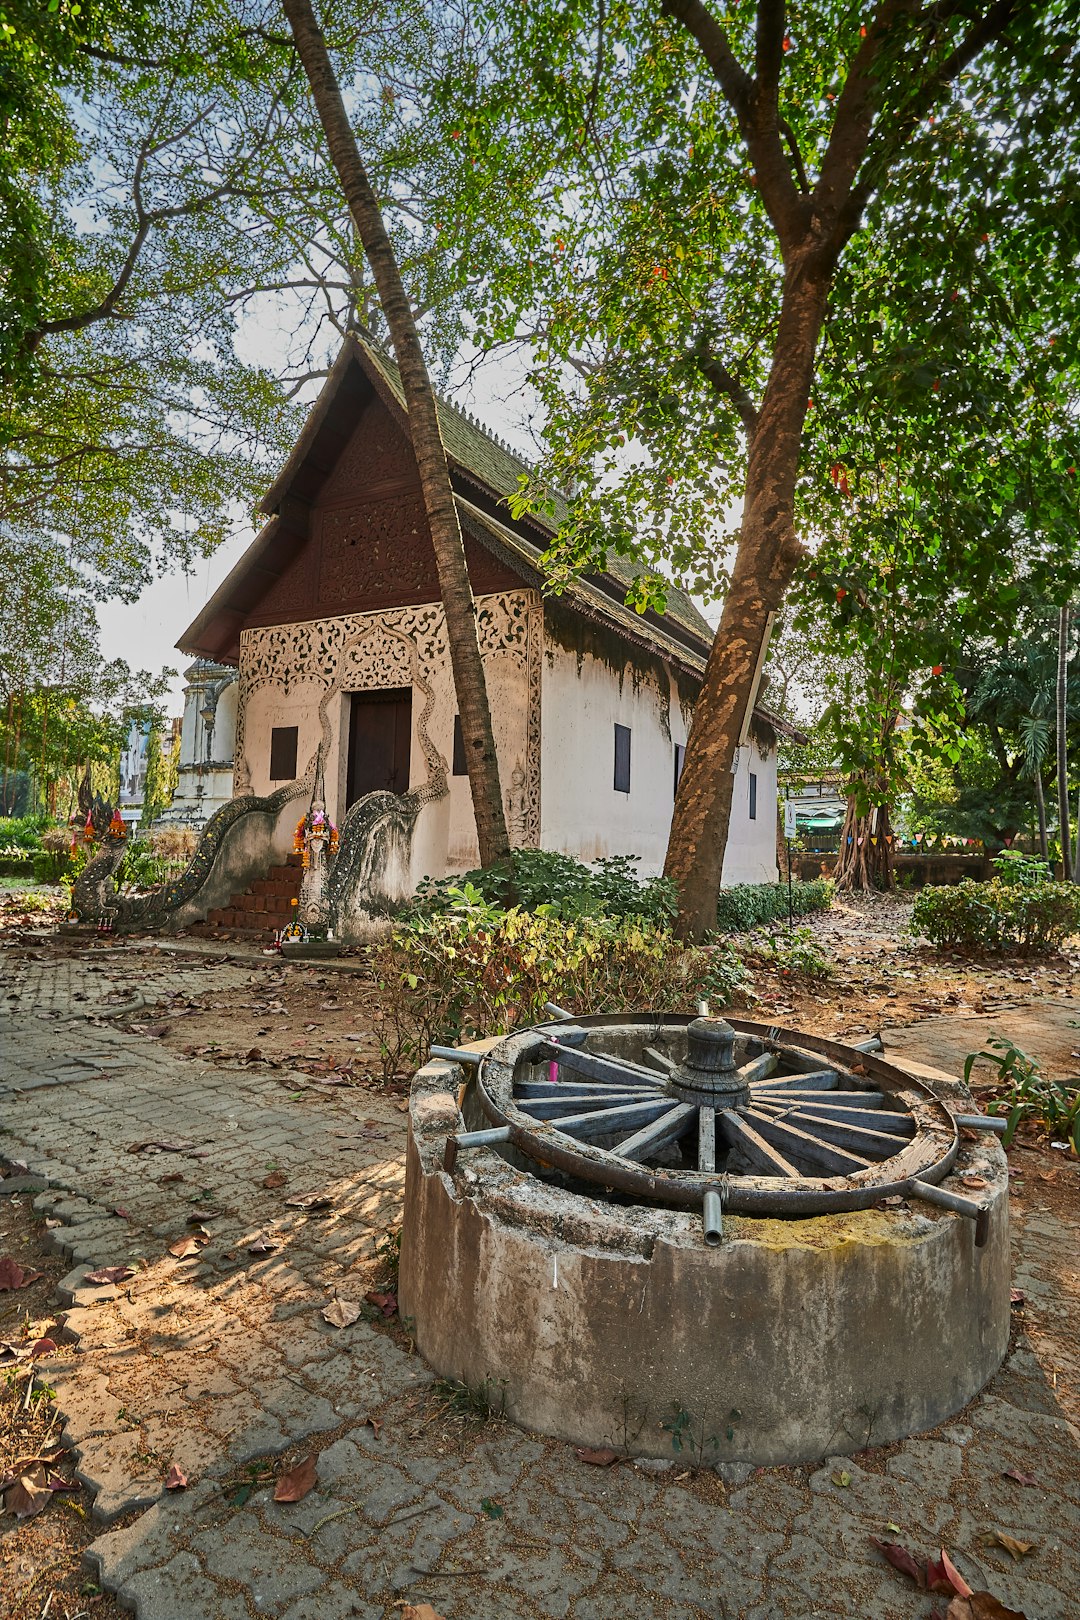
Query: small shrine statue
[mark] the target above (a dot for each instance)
(316, 842)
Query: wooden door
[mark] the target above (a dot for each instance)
(380, 738)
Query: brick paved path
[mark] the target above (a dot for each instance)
(214, 1362)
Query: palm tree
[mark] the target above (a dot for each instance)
(1017, 694)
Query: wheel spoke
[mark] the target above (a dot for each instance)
(596, 1066)
(578, 1088)
(815, 1080)
(818, 1099)
(739, 1133)
(839, 1132)
(758, 1068)
(668, 1128)
(706, 1139)
(807, 1147)
(876, 1120)
(608, 1120)
(668, 1065)
(569, 1103)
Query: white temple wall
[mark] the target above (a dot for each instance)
(586, 694)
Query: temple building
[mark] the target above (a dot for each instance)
(333, 623)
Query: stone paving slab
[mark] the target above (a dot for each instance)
(224, 1359)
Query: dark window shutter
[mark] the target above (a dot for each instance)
(459, 768)
(622, 759)
(753, 797)
(283, 753)
(680, 761)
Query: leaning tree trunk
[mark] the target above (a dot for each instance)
(765, 562)
(1063, 741)
(865, 858)
(442, 515)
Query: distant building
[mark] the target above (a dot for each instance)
(207, 743)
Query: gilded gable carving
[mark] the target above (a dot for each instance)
(375, 551)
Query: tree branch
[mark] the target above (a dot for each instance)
(726, 383)
(729, 73)
(755, 106)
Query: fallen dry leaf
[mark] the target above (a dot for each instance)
(295, 1485)
(314, 1200)
(900, 1559)
(1017, 1296)
(944, 1576)
(981, 1606)
(43, 1347)
(110, 1274)
(175, 1479)
(598, 1457)
(375, 1424)
(261, 1245)
(185, 1247)
(124, 1214)
(340, 1313)
(276, 1178)
(27, 1494)
(1017, 1549)
(419, 1611)
(13, 1276)
(1021, 1479)
(387, 1303)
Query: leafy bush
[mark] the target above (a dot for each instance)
(998, 916)
(153, 861)
(748, 905)
(1015, 869)
(541, 880)
(1029, 1094)
(455, 975)
(796, 955)
(51, 865)
(21, 832)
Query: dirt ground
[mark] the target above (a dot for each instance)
(312, 1023)
(41, 1568)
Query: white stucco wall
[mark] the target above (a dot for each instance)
(584, 698)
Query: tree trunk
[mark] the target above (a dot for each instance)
(1040, 805)
(439, 505)
(765, 561)
(1063, 742)
(865, 859)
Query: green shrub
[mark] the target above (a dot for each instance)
(455, 975)
(796, 955)
(998, 916)
(748, 905)
(1029, 1096)
(52, 866)
(558, 885)
(21, 832)
(1013, 868)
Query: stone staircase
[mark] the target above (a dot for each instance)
(263, 908)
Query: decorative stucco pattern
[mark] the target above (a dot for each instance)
(400, 647)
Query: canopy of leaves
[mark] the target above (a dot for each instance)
(606, 202)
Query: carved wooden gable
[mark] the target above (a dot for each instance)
(367, 545)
